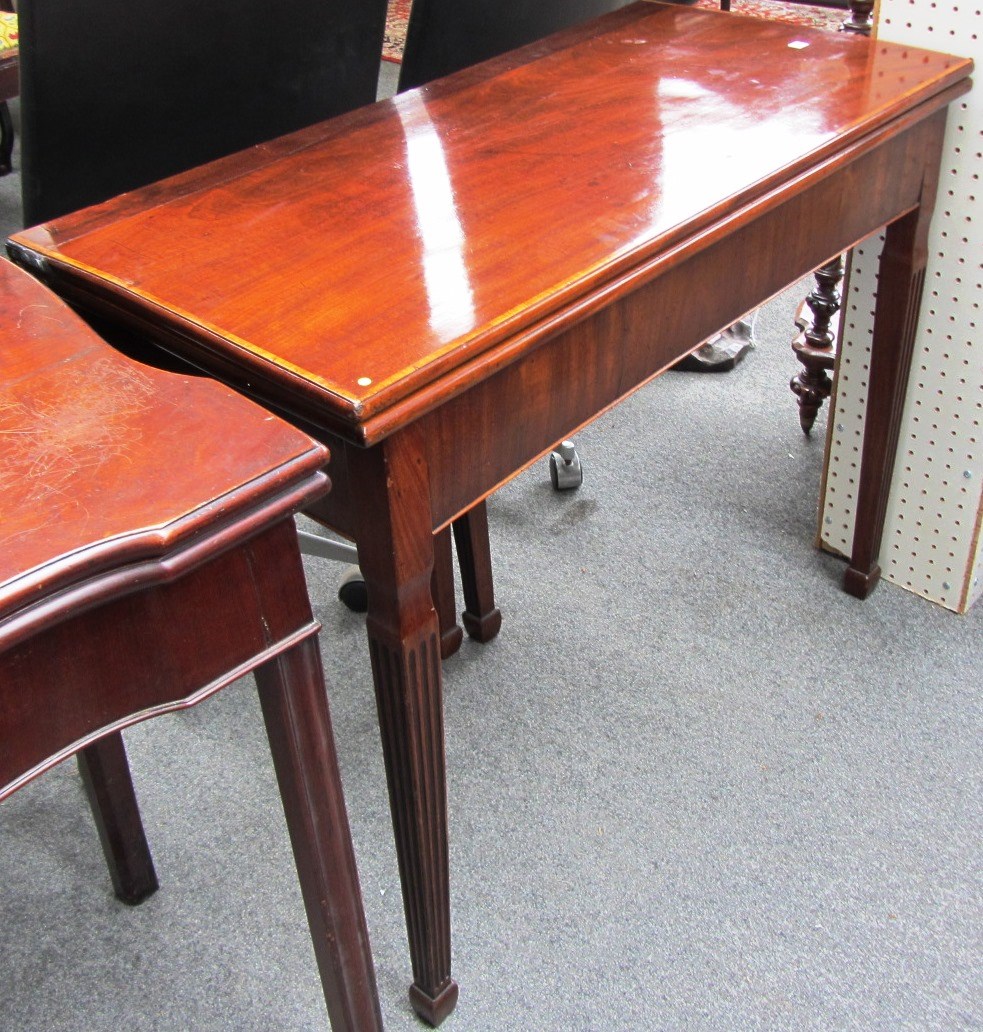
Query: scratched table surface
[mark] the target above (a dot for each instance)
(366, 279)
(82, 429)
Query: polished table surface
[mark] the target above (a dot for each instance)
(374, 255)
(443, 285)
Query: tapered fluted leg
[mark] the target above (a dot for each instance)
(392, 491)
(899, 291)
(482, 619)
(109, 788)
(295, 708)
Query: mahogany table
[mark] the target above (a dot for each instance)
(148, 558)
(444, 285)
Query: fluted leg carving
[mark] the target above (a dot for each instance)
(395, 546)
(408, 690)
(814, 347)
(890, 362)
(901, 278)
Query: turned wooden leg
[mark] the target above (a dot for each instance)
(442, 588)
(391, 492)
(109, 789)
(482, 619)
(298, 723)
(900, 280)
(861, 17)
(814, 347)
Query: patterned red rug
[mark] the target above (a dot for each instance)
(800, 14)
(817, 17)
(396, 19)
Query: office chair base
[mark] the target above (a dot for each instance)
(352, 592)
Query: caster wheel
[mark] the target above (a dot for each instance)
(352, 593)
(566, 471)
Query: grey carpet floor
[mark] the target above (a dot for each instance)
(693, 786)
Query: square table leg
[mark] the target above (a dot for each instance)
(482, 618)
(298, 724)
(901, 278)
(444, 598)
(109, 788)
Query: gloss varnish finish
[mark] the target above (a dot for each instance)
(443, 286)
(377, 253)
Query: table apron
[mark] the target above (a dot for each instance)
(481, 438)
(91, 655)
(486, 435)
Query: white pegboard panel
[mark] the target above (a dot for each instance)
(932, 532)
(846, 426)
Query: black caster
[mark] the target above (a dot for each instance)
(352, 592)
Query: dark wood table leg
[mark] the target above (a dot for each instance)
(109, 788)
(391, 491)
(900, 281)
(814, 347)
(444, 596)
(298, 723)
(482, 618)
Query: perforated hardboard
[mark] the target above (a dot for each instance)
(933, 530)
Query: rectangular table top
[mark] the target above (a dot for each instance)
(361, 260)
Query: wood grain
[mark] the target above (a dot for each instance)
(577, 162)
(443, 286)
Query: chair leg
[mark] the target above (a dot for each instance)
(298, 723)
(109, 788)
(6, 138)
(482, 619)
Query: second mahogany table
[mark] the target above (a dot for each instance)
(144, 568)
(443, 286)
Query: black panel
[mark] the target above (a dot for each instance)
(119, 93)
(447, 35)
